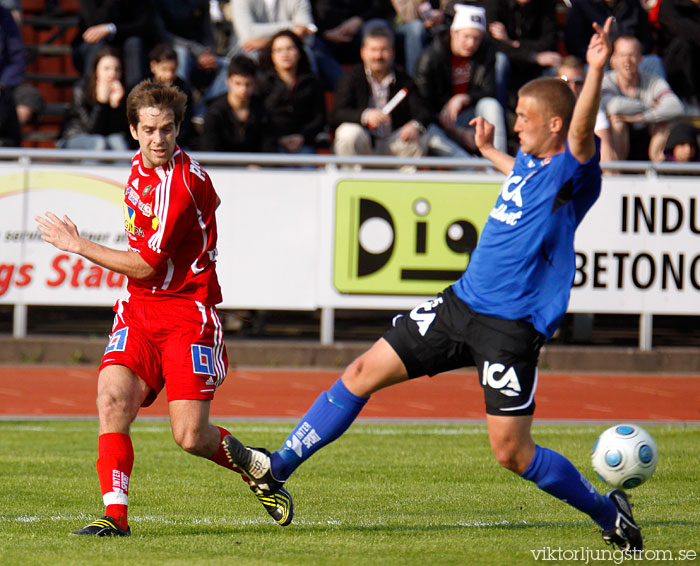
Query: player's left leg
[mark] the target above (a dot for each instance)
(192, 431)
(515, 450)
(326, 420)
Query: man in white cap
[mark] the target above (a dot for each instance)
(456, 76)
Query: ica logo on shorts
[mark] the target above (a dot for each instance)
(406, 237)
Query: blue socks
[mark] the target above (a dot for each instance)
(557, 476)
(329, 417)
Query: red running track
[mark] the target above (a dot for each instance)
(70, 391)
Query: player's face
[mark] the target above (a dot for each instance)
(164, 70)
(285, 55)
(532, 127)
(377, 55)
(465, 42)
(156, 133)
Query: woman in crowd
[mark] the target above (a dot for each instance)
(97, 115)
(292, 94)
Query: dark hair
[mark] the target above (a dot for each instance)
(681, 133)
(91, 83)
(553, 95)
(242, 65)
(150, 93)
(378, 31)
(162, 52)
(266, 53)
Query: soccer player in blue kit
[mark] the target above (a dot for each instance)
(497, 316)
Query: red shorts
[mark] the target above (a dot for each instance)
(173, 343)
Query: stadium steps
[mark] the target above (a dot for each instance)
(50, 67)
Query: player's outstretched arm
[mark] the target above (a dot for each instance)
(581, 136)
(483, 137)
(63, 234)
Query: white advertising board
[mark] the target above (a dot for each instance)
(285, 241)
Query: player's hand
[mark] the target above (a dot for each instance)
(62, 234)
(483, 133)
(599, 47)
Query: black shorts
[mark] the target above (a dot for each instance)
(444, 334)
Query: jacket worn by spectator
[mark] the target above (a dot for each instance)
(630, 19)
(86, 117)
(300, 110)
(679, 22)
(329, 14)
(12, 62)
(654, 100)
(187, 24)
(434, 73)
(131, 17)
(353, 94)
(223, 131)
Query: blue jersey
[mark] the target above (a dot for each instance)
(523, 266)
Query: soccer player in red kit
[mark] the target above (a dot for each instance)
(167, 331)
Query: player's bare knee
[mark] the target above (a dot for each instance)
(510, 455)
(190, 441)
(110, 405)
(356, 378)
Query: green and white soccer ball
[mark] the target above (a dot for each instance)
(625, 456)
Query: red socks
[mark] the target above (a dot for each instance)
(114, 463)
(219, 457)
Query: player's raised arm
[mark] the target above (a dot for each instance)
(64, 235)
(483, 137)
(581, 137)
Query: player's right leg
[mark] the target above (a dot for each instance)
(328, 418)
(120, 393)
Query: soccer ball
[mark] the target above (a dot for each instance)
(624, 456)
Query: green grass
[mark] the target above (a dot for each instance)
(382, 494)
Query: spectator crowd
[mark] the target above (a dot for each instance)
(391, 77)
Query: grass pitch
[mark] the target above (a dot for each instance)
(382, 494)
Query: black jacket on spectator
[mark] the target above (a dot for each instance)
(132, 17)
(533, 24)
(679, 22)
(300, 110)
(331, 13)
(353, 93)
(630, 19)
(223, 131)
(433, 76)
(86, 117)
(12, 62)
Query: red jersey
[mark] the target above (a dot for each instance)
(170, 220)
